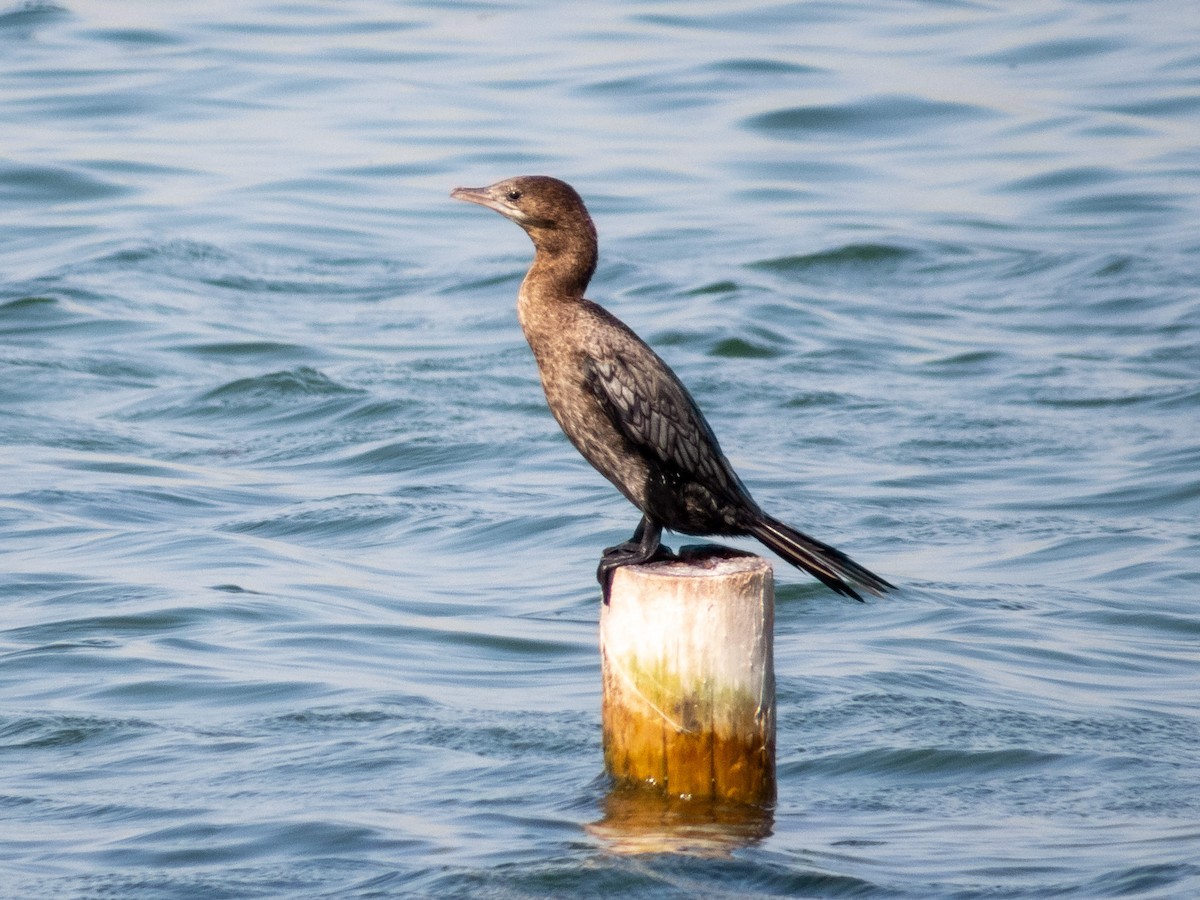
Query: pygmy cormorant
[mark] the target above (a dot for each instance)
(622, 406)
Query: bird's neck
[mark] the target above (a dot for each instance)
(560, 275)
(547, 306)
(565, 259)
(546, 295)
(555, 283)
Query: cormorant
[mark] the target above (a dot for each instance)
(622, 406)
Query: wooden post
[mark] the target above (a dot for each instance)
(689, 676)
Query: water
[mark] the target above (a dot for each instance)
(297, 571)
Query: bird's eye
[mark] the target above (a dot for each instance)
(513, 195)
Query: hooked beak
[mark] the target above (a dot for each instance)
(483, 196)
(493, 197)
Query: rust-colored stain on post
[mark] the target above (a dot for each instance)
(689, 677)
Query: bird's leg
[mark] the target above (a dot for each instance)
(643, 547)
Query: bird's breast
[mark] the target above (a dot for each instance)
(559, 340)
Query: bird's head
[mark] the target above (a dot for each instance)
(554, 217)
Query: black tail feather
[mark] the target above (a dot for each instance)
(828, 565)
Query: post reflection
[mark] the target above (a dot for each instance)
(640, 820)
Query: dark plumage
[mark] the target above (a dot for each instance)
(622, 406)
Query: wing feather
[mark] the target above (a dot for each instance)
(654, 411)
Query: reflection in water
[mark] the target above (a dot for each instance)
(637, 820)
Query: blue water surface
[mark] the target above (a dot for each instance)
(297, 570)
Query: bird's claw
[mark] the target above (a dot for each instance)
(629, 553)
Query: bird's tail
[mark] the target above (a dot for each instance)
(827, 564)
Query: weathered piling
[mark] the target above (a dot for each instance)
(689, 676)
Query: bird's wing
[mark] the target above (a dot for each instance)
(653, 410)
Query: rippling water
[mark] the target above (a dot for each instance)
(297, 570)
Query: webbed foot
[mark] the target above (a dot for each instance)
(643, 547)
